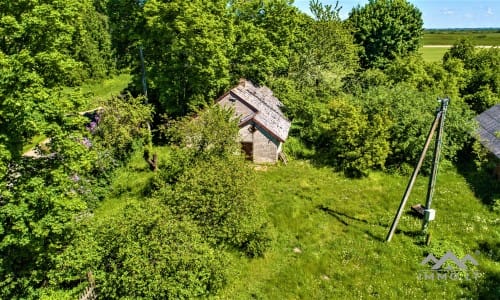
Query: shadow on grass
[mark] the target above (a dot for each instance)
(482, 182)
(340, 216)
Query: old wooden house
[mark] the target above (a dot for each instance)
(489, 133)
(263, 126)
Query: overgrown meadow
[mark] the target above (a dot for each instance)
(119, 177)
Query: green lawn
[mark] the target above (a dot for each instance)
(339, 227)
(340, 224)
(102, 89)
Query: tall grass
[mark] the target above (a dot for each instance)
(329, 236)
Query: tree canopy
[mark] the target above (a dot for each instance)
(386, 29)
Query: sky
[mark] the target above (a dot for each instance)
(437, 13)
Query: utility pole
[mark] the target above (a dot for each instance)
(430, 213)
(143, 69)
(439, 119)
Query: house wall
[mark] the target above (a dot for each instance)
(240, 109)
(246, 135)
(265, 148)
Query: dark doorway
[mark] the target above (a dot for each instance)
(248, 149)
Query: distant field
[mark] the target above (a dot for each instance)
(442, 37)
(433, 54)
(490, 37)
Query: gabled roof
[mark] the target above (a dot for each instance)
(489, 129)
(267, 108)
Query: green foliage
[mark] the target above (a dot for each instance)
(411, 113)
(425, 76)
(126, 24)
(355, 141)
(255, 57)
(123, 124)
(209, 182)
(267, 35)
(295, 148)
(68, 41)
(186, 47)
(386, 29)
(328, 53)
(211, 133)
(21, 98)
(218, 195)
(42, 197)
(481, 87)
(143, 251)
(462, 50)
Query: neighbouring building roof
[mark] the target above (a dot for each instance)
(267, 108)
(489, 129)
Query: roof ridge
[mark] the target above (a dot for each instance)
(262, 100)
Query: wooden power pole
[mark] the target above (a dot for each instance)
(438, 120)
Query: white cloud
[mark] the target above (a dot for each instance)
(447, 11)
(489, 11)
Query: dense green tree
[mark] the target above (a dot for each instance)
(122, 126)
(412, 112)
(483, 88)
(463, 50)
(126, 22)
(353, 140)
(142, 252)
(386, 29)
(68, 41)
(254, 56)
(268, 35)
(424, 76)
(186, 46)
(329, 54)
(40, 198)
(209, 182)
(479, 70)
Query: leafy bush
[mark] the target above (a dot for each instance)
(353, 140)
(218, 194)
(209, 182)
(481, 89)
(386, 30)
(142, 252)
(123, 124)
(412, 113)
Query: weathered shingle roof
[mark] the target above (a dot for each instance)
(489, 129)
(268, 108)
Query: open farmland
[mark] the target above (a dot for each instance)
(437, 41)
(485, 37)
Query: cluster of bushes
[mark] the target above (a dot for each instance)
(175, 242)
(42, 197)
(354, 106)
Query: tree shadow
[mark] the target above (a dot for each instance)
(340, 216)
(482, 182)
